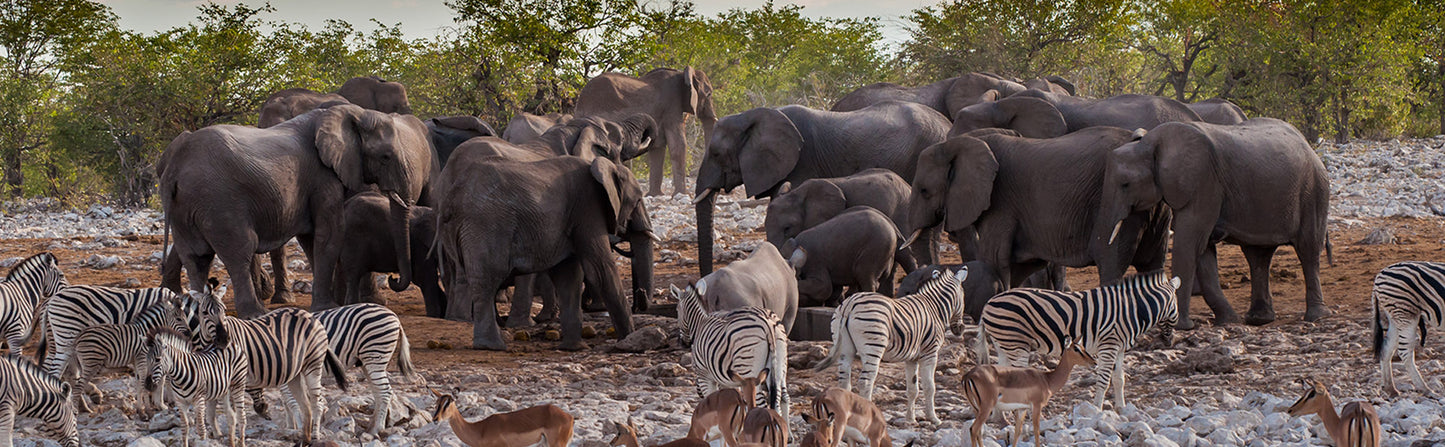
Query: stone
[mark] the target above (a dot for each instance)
(10, 262)
(642, 340)
(1208, 360)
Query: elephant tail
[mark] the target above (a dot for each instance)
(403, 356)
(1329, 249)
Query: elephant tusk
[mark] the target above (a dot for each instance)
(703, 196)
(653, 236)
(911, 238)
(646, 143)
(1115, 234)
(396, 198)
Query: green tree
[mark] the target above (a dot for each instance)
(1178, 35)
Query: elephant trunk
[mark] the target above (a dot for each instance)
(640, 238)
(641, 132)
(704, 207)
(401, 239)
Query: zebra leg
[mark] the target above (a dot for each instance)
(927, 367)
(184, 410)
(376, 368)
(258, 402)
(7, 424)
(1387, 357)
(1103, 369)
(1118, 382)
(910, 381)
(1411, 342)
(236, 412)
(206, 417)
(845, 371)
(299, 393)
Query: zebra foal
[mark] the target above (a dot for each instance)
(735, 344)
(27, 391)
(1408, 299)
(1105, 321)
(875, 328)
(368, 334)
(215, 376)
(117, 346)
(29, 284)
(76, 308)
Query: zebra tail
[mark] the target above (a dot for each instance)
(43, 344)
(403, 357)
(1377, 327)
(1421, 340)
(36, 321)
(980, 346)
(778, 377)
(337, 371)
(833, 352)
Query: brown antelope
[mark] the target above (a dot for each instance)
(627, 437)
(725, 409)
(1356, 425)
(846, 416)
(765, 426)
(989, 387)
(547, 425)
(815, 438)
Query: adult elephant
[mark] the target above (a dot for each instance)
(1218, 111)
(1257, 183)
(946, 96)
(668, 96)
(764, 147)
(525, 127)
(448, 132)
(375, 93)
(236, 191)
(292, 102)
(553, 216)
(1054, 84)
(368, 92)
(1046, 115)
(1033, 202)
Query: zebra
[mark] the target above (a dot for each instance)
(368, 334)
(286, 347)
(78, 307)
(1408, 299)
(876, 328)
(115, 346)
(27, 391)
(1106, 321)
(217, 376)
(23, 291)
(737, 343)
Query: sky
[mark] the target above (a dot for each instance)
(422, 18)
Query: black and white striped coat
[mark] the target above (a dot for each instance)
(875, 328)
(1105, 321)
(29, 284)
(368, 334)
(27, 391)
(76, 308)
(1408, 300)
(116, 346)
(215, 376)
(737, 343)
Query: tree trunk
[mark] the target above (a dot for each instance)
(1342, 119)
(13, 175)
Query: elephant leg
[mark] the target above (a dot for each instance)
(656, 164)
(1206, 281)
(906, 260)
(1261, 306)
(548, 291)
(260, 281)
(521, 313)
(282, 292)
(426, 277)
(324, 271)
(485, 285)
(198, 268)
(366, 291)
(1058, 277)
(238, 265)
(567, 278)
(171, 271)
(1309, 259)
(677, 145)
(1190, 241)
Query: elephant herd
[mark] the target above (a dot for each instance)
(1025, 176)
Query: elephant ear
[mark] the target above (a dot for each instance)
(1032, 117)
(614, 182)
(825, 200)
(338, 143)
(770, 151)
(689, 86)
(972, 168)
(471, 123)
(1065, 83)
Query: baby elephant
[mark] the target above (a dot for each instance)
(368, 246)
(853, 249)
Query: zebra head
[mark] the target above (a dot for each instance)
(1170, 315)
(204, 311)
(58, 412)
(946, 287)
(689, 310)
(42, 270)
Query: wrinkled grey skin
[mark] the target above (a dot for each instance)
(377, 94)
(1053, 115)
(1053, 84)
(946, 96)
(854, 249)
(525, 127)
(982, 283)
(764, 147)
(1033, 202)
(763, 280)
(793, 210)
(1258, 184)
(491, 231)
(1218, 111)
(369, 248)
(588, 138)
(290, 103)
(448, 132)
(235, 191)
(668, 96)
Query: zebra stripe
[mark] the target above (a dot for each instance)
(368, 334)
(1105, 321)
(216, 376)
(875, 328)
(116, 346)
(29, 284)
(27, 391)
(1408, 300)
(79, 307)
(738, 343)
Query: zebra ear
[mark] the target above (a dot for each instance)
(1174, 282)
(65, 391)
(676, 292)
(219, 292)
(701, 287)
(962, 274)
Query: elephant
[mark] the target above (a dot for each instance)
(365, 225)
(982, 283)
(290, 103)
(665, 94)
(853, 249)
(494, 223)
(448, 132)
(377, 94)
(587, 138)
(793, 210)
(1033, 202)
(235, 191)
(1053, 84)
(1257, 183)
(1218, 111)
(525, 127)
(762, 280)
(1041, 119)
(946, 96)
(764, 147)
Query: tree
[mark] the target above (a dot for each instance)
(1178, 34)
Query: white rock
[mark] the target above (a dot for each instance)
(146, 441)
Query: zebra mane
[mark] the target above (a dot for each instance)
(169, 337)
(938, 284)
(1151, 278)
(33, 263)
(28, 367)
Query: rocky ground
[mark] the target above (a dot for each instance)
(1214, 386)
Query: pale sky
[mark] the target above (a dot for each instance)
(422, 18)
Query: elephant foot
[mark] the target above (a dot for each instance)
(489, 339)
(1226, 319)
(1316, 312)
(573, 346)
(282, 296)
(1184, 325)
(594, 307)
(546, 316)
(520, 321)
(1259, 318)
